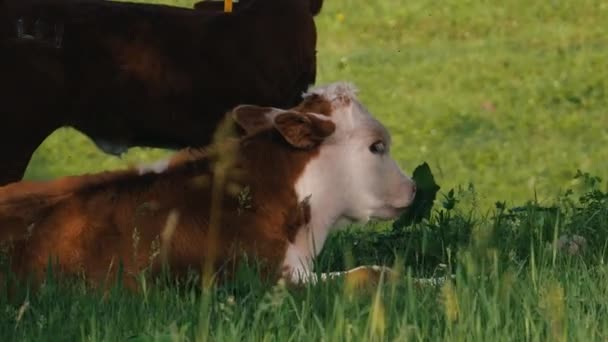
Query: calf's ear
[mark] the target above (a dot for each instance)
(303, 130)
(253, 119)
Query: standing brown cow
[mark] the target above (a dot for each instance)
(129, 74)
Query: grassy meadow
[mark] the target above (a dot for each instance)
(505, 101)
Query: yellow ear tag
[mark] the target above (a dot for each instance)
(227, 5)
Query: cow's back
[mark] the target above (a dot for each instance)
(153, 75)
(144, 75)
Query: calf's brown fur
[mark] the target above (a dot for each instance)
(88, 224)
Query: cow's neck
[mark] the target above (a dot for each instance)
(325, 213)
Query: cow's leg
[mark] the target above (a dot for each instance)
(363, 276)
(11, 173)
(30, 95)
(15, 163)
(356, 276)
(17, 150)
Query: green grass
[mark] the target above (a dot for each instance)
(569, 304)
(509, 96)
(513, 283)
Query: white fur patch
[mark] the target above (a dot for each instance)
(297, 265)
(156, 167)
(334, 92)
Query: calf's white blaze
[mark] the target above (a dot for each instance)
(346, 182)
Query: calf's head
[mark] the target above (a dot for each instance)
(354, 171)
(351, 176)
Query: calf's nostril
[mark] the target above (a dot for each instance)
(414, 188)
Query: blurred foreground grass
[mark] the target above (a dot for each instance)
(522, 274)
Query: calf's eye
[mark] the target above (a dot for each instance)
(377, 147)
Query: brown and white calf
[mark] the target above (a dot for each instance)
(273, 193)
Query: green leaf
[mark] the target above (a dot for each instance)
(426, 193)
